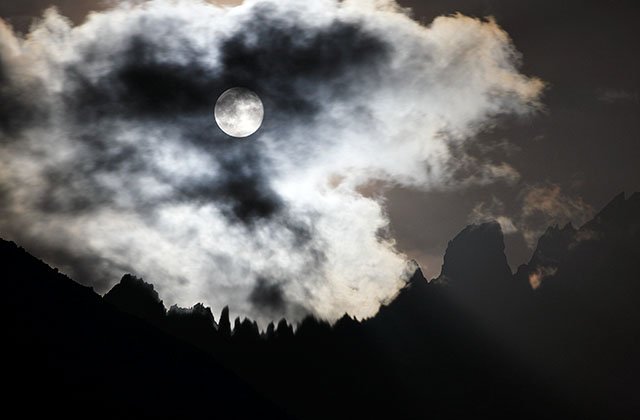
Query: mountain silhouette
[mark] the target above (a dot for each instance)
(589, 304)
(560, 338)
(136, 297)
(70, 353)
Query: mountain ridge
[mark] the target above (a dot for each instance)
(473, 342)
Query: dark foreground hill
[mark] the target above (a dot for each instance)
(475, 342)
(69, 354)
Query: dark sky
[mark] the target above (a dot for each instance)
(585, 144)
(587, 141)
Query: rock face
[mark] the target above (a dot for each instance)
(475, 258)
(586, 311)
(476, 277)
(578, 330)
(602, 245)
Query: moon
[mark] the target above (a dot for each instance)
(239, 112)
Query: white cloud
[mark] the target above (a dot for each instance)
(395, 117)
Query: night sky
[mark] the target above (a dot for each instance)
(558, 139)
(587, 139)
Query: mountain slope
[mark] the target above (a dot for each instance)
(475, 342)
(72, 354)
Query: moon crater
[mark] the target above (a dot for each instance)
(239, 112)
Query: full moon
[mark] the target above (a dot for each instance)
(239, 112)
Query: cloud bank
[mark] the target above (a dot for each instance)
(111, 160)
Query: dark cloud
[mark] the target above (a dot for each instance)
(285, 61)
(76, 189)
(19, 104)
(274, 60)
(581, 136)
(268, 295)
(141, 84)
(130, 166)
(242, 188)
(279, 59)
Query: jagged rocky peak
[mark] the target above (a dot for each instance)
(618, 221)
(553, 245)
(620, 213)
(345, 323)
(475, 254)
(134, 284)
(197, 311)
(224, 326)
(416, 284)
(417, 276)
(613, 208)
(137, 297)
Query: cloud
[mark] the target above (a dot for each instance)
(111, 160)
(537, 276)
(550, 201)
(540, 206)
(545, 205)
(270, 298)
(494, 211)
(19, 106)
(611, 96)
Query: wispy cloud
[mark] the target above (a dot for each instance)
(545, 205)
(540, 206)
(493, 211)
(611, 96)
